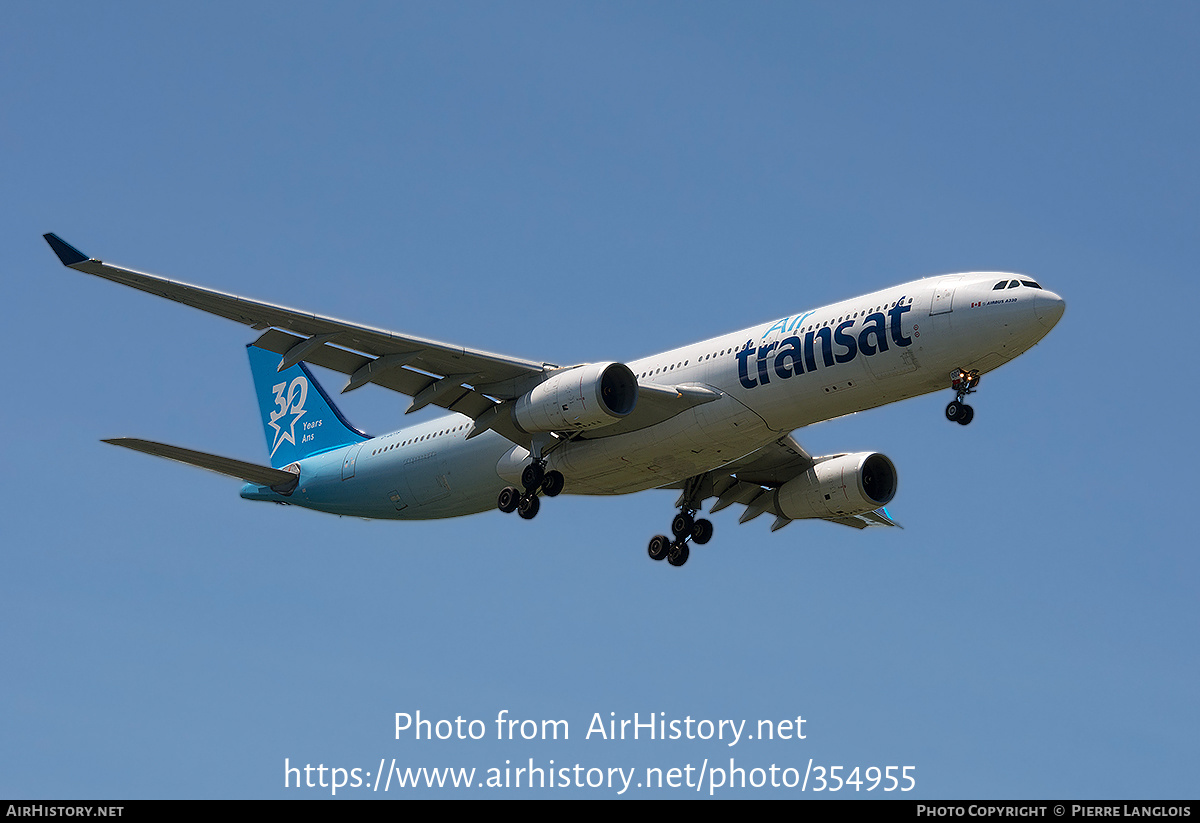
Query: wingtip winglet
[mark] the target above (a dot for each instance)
(68, 254)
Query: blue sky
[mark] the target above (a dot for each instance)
(585, 182)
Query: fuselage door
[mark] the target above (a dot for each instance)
(943, 296)
(349, 461)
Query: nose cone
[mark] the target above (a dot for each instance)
(1049, 308)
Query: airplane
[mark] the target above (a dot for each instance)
(712, 419)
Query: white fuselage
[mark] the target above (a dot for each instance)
(775, 377)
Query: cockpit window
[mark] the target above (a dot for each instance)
(1030, 283)
(1012, 284)
(1000, 285)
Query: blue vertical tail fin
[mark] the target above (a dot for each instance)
(298, 417)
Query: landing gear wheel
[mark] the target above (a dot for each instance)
(964, 383)
(552, 483)
(528, 507)
(682, 524)
(678, 555)
(702, 532)
(531, 476)
(509, 499)
(659, 546)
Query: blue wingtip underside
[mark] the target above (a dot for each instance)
(68, 254)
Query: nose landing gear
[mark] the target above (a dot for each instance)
(964, 383)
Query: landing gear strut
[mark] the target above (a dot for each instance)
(536, 480)
(964, 383)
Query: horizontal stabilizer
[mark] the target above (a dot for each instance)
(249, 472)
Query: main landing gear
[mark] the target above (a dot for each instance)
(685, 527)
(535, 479)
(963, 383)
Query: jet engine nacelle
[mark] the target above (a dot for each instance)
(580, 398)
(841, 486)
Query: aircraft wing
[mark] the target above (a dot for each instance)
(752, 480)
(437, 358)
(472, 382)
